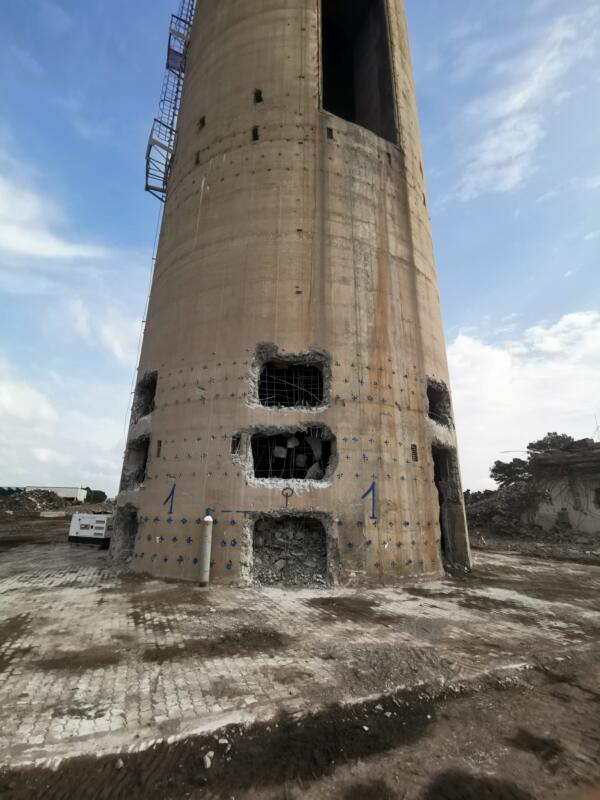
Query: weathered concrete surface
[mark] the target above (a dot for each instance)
(315, 238)
(94, 660)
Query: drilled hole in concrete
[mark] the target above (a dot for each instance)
(295, 455)
(258, 96)
(290, 550)
(255, 135)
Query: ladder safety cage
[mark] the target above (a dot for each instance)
(161, 142)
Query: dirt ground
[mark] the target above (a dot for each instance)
(485, 687)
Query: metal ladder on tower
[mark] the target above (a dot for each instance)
(163, 135)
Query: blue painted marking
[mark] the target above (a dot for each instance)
(349, 545)
(195, 561)
(223, 543)
(183, 520)
(372, 490)
(370, 542)
(170, 499)
(174, 539)
(233, 523)
(199, 521)
(189, 540)
(229, 565)
(233, 542)
(180, 559)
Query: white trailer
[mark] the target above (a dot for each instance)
(91, 529)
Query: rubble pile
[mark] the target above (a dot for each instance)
(18, 501)
(290, 551)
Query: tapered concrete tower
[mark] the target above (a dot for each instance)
(293, 377)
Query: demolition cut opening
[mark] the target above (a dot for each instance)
(356, 64)
(298, 455)
(440, 406)
(290, 550)
(145, 394)
(136, 460)
(447, 482)
(288, 384)
(125, 531)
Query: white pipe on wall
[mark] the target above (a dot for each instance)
(205, 550)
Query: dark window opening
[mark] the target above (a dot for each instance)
(440, 406)
(289, 385)
(300, 455)
(255, 135)
(357, 73)
(258, 96)
(597, 498)
(290, 551)
(454, 536)
(158, 448)
(414, 452)
(330, 133)
(145, 393)
(136, 460)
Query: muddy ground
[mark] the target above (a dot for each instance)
(530, 736)
(528, 732)
(571, 546)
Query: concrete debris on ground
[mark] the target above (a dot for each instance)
(290, 551)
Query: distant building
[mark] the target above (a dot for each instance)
(71, 493)
(569, 482)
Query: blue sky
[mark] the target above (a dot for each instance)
(508, 99)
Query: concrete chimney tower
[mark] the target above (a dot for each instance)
(293, 382)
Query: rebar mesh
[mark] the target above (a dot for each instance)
(303, 455)
(291, 385)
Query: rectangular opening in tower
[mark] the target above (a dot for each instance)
(290, 385)
(356, 64)
(299, 455)
(145, 394)
(134, 465)
(447, 482)
(440, 407)
(290, 550)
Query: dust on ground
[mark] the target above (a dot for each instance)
(534, 736)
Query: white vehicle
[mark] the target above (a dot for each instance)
(91, 529)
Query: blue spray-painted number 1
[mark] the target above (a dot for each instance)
(372, 490)
(171, 499)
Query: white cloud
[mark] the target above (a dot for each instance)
(509, 394)
(512, 120)
(114, 329)
(27, 226)
(70, 433)
(20, 401)
(591, 236)
(593, 182)
(47, 456)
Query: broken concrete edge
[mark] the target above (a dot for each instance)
(114, 745)
(125, 525)
(247, 578)
(243, 456)
(269, 351)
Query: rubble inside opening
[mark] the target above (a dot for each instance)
(293, 455)
(145, 393)
(136, 460)
(291, 384)
(290, 550)
(440, 405)
(125, 530)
